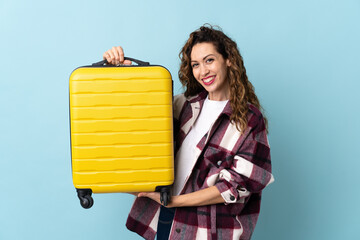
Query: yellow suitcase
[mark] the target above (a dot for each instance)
(121, 128)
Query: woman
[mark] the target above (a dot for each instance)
(222, 159)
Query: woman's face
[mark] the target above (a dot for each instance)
(210, 70)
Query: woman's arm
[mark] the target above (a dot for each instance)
(249, 172)
(207, 196)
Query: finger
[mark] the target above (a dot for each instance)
(111, 57)
(120, 50)
(127, 62)
(133, 193)
(114, 50)
(106, 56)
(142, 194)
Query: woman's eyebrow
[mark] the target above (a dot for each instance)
(204, 57)
(208, 56)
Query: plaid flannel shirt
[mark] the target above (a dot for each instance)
(237, 164)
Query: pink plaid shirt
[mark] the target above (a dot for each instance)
(237, 164)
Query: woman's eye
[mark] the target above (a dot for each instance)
(210, 60)
(194, 65)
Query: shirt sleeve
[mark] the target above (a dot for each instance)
(250, 171)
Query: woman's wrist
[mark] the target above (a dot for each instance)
(202, 197)
(176, 201)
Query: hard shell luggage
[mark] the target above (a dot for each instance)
(121, 129)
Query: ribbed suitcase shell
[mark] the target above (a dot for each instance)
(121, 128)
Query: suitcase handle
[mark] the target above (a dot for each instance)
(140, 63)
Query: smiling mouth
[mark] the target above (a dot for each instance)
(208, 80)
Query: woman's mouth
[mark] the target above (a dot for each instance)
(208, 80)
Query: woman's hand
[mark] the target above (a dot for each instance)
(156, 197)
(153, 195)
(115, 56)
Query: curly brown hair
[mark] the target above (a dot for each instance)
(241, 90)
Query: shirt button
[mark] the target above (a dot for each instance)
(178, 230)
(219, 163)
(232, 198)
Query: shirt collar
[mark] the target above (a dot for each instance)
(227, 109)
(200, 97)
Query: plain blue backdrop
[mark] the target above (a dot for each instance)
(301, 56)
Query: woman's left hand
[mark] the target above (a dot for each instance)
(152, 195)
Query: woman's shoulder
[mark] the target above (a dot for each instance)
(179, 100)
(178, 103)
(179, 97)
(253, 110)
(255, 117)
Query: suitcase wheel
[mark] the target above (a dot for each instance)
(86, 201)
(164, 194)
(165, 198)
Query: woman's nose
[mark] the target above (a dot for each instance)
(204, 71)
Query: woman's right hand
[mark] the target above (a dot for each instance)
(115, 56)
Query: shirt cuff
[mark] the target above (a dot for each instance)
(226, 192)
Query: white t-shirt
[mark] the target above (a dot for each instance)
(185, 158)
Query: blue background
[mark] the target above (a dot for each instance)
(301, 56)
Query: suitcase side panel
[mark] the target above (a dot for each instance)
(121, 128)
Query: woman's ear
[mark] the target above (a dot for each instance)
(228, 63)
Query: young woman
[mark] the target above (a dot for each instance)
(222, 155)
